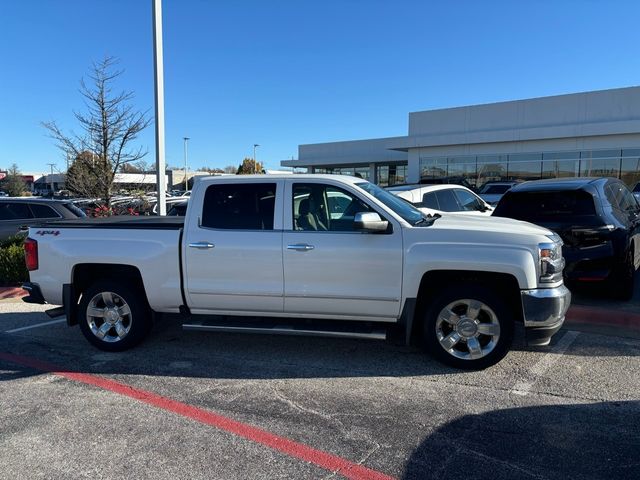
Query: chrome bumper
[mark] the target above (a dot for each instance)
(545, 307)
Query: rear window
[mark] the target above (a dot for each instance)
(73, 209)
(14, 211)
(239, 206)
(43, 211)
(545, 205)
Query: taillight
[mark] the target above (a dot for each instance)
(31, 254)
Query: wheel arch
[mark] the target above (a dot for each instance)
(435, 281)
(85, 274)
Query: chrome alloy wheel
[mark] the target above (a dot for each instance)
(468, 329)
(109, 317)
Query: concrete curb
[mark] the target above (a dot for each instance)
(12, 292)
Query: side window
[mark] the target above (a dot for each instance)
(429, 200)
(447, 201)
(43, 211)
(14, 211)
(617, 195)
(246, 206)
(628, 199)
(318, 207)
(468, 201)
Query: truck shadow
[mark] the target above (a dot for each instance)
(594, 441)
(169, 351)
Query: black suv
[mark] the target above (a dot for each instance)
(598, 220)
(16, 213)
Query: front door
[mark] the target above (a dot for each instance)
(330, 269)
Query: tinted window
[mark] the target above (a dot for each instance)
(545, 205)
(447, 201)
(429, 200)
(239, 207)
(620, 197)
(43, 211)
(73, 209)
(14, 211)
(467, 200)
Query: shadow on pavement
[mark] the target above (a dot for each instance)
(593, 441)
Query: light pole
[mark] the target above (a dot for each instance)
(255, 163)
(186, 176)
(51, 180)
(161, 183)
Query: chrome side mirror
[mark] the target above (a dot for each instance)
(369, 222)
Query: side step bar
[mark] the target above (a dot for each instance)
(322, 329)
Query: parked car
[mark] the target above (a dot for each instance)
(452, 180)
(3, 194)
(255, 246)
(18, 213)
(178, 209)
(636, 191)
(598, 220)
(492, 192)
(432, 199)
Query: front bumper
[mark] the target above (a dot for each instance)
(543, 311)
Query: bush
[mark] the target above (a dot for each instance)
(17, 239)
(12, 267)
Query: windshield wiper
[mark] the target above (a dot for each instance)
(428, 219)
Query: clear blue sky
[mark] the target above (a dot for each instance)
(283, 73)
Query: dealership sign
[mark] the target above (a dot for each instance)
(3, 175)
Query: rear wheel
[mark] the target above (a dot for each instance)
(468, 327)
(113, 316)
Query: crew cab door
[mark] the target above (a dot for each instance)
(232, 247)
(330, 269)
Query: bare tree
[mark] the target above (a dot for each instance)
(108, 127)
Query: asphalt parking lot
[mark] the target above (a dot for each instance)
(204, 405)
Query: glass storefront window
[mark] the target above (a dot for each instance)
(600, 163)
(491, 168)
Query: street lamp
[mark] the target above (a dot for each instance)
(255, 163)
(186, 176)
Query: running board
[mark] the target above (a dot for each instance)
(321, 329)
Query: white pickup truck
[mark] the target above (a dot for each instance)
(305, 255)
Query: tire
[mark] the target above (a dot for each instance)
(474, 322)
(114, 316)
(622, 282)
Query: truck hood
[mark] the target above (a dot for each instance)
(488, 224)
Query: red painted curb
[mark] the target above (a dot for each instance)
(580, 314)
(284, 445)
(12, 292)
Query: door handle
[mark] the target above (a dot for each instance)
(201, 245)
(301, 247)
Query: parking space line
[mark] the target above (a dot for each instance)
(322, 459)
(37, 325)
(545, 363)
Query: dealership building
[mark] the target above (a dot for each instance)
(581, 134)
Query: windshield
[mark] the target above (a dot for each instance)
(404, 209)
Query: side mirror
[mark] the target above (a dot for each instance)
(369, 222)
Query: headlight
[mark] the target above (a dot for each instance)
(551, 261)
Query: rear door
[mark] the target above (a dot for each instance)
(233, 248)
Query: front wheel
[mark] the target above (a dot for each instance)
(113, 316)
(468, 327)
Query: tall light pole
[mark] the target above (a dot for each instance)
(161, 183)
(255, 162)
(51, 180)
(186, 176)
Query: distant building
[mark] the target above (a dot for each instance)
(581, 134)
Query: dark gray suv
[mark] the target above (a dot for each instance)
(16, 213)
